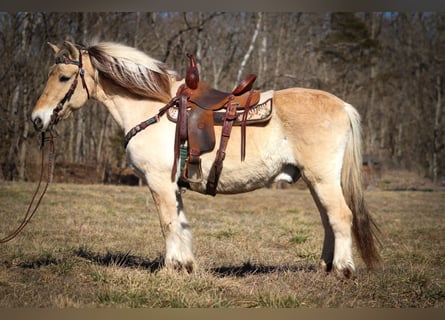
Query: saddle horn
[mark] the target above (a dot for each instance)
(192, 76)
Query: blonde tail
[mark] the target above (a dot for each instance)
(363, 226)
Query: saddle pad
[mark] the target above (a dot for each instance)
(260, 113)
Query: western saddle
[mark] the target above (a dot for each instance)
(196, 109)
(197, 117)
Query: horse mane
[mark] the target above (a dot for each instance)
(132, 70)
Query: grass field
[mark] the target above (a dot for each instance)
(96, 245)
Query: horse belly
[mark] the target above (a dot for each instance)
(268, 154)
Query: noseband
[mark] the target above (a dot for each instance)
(67, 97)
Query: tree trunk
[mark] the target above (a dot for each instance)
(11, 165)
(438, 115)
(278, 59)
(251, 46)
(25, 105)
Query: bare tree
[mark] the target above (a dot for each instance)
(389, 65)
(251, 46)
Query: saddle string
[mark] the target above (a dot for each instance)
(30, 212)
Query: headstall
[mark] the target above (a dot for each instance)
(67, 97)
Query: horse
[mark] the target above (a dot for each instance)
(312, 135)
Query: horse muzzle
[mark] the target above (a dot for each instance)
(38, 124)
(41, 119)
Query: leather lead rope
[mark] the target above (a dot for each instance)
(31, 211)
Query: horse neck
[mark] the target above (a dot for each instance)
(129, 111)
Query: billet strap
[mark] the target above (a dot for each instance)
(243, 126)
(215, 173)
(231, 116)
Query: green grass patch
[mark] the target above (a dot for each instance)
(298, 239)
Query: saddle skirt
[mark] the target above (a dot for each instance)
(258, 114)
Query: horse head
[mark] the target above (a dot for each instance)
(62, 95)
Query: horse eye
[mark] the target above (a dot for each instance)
(64, 79)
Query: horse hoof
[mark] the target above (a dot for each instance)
(345, 272)
(180, 266)
(324, 266)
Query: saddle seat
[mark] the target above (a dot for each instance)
(209, 98)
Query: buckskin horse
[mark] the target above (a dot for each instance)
(312, 134)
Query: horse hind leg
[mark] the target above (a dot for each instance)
(337, 220)
(327, 254)
(176, 231)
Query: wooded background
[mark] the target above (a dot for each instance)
(390, 66)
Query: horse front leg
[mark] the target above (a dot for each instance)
(175, 229)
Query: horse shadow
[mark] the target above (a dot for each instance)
(127, 260)
(121, 260)
(247, 269)
(115, 259)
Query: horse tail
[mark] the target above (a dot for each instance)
(364, 227)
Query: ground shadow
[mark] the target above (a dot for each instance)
(38, 262)
(250, 269)
(126, 260)
(117, 259)
(121, 259)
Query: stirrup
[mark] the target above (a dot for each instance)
(188, 179)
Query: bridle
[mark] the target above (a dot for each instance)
(54, 119)
(63, 59)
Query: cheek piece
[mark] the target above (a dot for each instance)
(55, 115)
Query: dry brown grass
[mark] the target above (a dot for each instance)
(95, 245)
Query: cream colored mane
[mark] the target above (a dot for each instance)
(132, 69)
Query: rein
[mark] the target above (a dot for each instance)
(30, 212)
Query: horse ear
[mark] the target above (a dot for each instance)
(55, 48)
(72, 50)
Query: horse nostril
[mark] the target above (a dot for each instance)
(38, 124)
